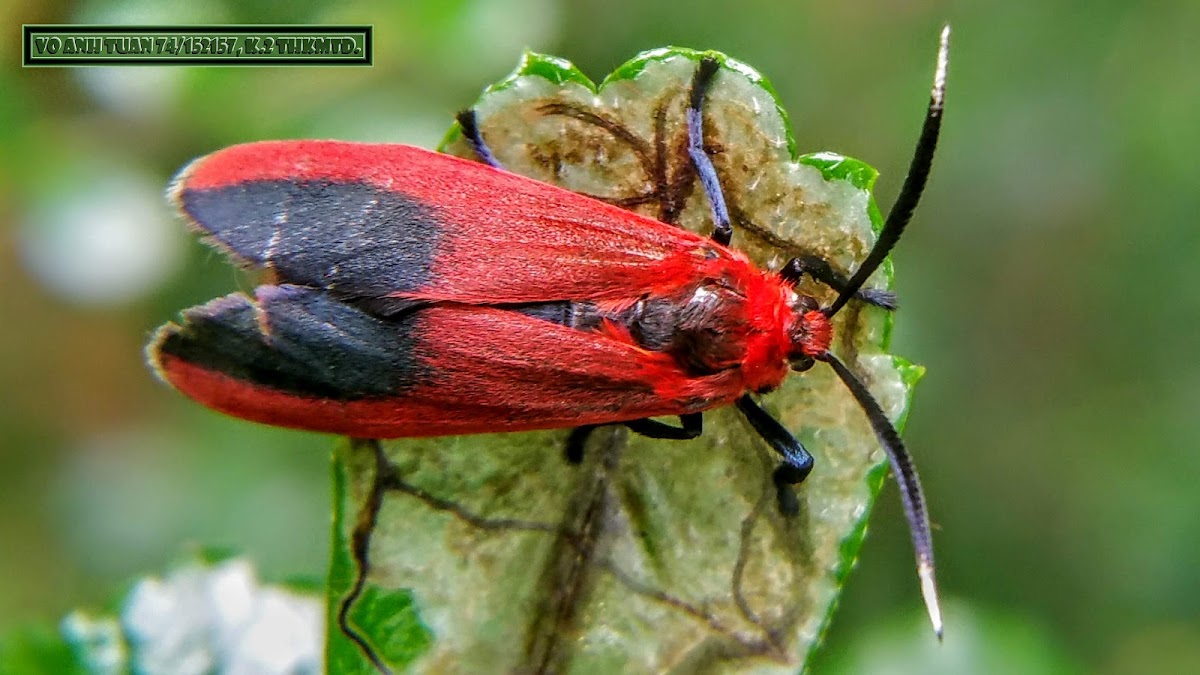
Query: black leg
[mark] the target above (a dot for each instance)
(573, 452)
(814, 266)
(470, 130)
(797, 463)
(691, 426)
(819, 269)
(722, 229)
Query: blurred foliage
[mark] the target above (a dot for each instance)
(1047, 285)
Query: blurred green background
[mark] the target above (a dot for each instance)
(1048, 283)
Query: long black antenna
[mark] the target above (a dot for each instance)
(910, 486)
(914, 182)
(902, 464)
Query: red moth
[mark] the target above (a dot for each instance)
(418, 294)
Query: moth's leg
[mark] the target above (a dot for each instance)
(722, 229)
(690, 426)
(573, 452)
(797, 462)
(818, 268)
(814, 266)
(470, 130)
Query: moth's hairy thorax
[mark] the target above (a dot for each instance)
(703, 327)
(717, 325)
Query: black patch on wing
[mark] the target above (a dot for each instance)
(351, 239)
(315, 346)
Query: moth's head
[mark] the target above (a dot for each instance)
(810, 333)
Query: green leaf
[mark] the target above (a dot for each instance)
(650, 556)
(386, 619)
